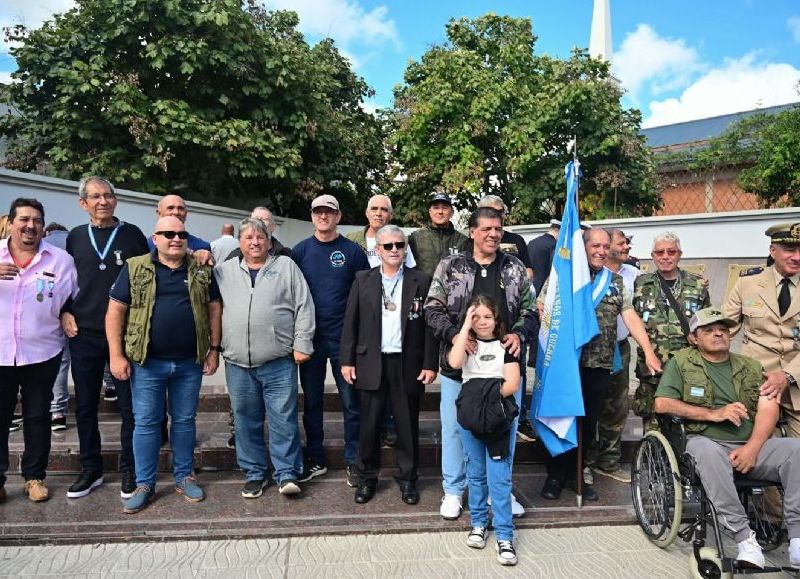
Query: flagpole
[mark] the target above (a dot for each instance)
(573, 145)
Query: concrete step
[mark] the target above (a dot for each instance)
(325, 507)
(212, 453)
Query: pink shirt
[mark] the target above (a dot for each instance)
(30, 331)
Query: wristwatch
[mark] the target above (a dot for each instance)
(790, 379)
(215, 348)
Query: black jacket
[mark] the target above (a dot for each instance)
(481, 409)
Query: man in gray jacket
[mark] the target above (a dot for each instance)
(267, 330)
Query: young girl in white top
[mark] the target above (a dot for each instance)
(487, 477)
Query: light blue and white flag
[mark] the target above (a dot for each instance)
(568, 322)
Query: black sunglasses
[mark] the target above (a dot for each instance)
(173, 234)
(390, 246)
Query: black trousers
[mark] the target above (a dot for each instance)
(89, 358)
(36, 383)
(406, 418)
(594, 385)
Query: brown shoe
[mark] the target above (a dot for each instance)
(2, 494)
(36, 490)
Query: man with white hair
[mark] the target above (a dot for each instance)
(665, 300)
(276, 247)
(379, 213)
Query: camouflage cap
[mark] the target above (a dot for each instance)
(784, 233)
(708, 316)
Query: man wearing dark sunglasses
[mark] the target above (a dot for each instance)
(164, 326)
(665, 300)
(388, 353)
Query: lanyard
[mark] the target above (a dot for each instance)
(110, 241)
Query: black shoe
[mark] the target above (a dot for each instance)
(365, 492)
(389, 437)
(232, 441)
(552, 489)
(588, 492)
(58, 423)
(110, 394)
(311, 469)
(253, 489)
(525, 431)
(408, 492)
(86, 483)
(351, 477)
(128, 485)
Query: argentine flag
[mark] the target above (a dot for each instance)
(568, 322)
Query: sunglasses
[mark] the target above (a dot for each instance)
(174, 234)
(396, 244)
(669, 252)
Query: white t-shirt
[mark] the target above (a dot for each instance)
(629, 275)
(487, 362)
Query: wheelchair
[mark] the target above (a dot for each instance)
(670, 502)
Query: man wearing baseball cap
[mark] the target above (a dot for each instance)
(432, 243)
(765, 304)
(329, 263)
(729, 424)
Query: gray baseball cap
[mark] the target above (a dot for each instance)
(708, 316)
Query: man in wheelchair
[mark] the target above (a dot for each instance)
(728, 427)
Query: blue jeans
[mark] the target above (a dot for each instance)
(454, 477)
(269, 389)
(488, 478)
(150, 384)
(312, 379)
(60, 400)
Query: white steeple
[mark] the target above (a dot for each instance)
(600, 40)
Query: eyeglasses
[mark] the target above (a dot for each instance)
(104, 197)
(174, 234)
(396, 244)
(669, 252)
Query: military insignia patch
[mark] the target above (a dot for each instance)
(751, 271)
(795, 231)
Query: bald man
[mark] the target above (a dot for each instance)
(178, 300)
(175, 206)
(225, 243)
(379, 213)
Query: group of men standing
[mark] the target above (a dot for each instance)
(381, 307)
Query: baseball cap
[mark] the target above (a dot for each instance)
(328, 201)
(440, 198)
(708, 316)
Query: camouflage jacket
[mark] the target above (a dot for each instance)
(451, 289)
(660, 320)
(599, 353)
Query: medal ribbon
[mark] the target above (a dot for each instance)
(110, 241)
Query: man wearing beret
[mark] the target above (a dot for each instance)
(765, 304)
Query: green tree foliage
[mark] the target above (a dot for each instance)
(484, 114)
(214, 100)
(767, 146)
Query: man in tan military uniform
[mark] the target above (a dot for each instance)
(765, 303)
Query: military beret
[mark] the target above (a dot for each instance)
(784, 233)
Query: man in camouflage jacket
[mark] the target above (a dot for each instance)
(663, 325)
(458, 277)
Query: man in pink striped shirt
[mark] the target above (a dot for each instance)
(36, 279)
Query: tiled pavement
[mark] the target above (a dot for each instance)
(588, 552)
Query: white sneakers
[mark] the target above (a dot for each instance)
(794, 552)
(750, 552)
(517, 510)
(451, 507)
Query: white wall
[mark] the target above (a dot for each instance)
(60, 200)
(735, 234)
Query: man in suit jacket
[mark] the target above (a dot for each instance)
(765, 304)
(387, 350)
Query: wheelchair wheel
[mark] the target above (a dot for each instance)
(764, 508)
(709, 567)
(656, 489)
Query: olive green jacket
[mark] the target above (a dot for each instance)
(142, 274)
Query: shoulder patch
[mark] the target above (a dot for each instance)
(751, 271)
